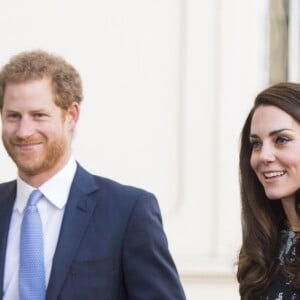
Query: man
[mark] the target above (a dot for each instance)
(100, 239)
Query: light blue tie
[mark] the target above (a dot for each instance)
(32, 284)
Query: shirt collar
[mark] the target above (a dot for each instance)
(55, 190)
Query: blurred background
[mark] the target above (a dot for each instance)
(167, 85)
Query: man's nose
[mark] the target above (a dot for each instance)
(25, 127)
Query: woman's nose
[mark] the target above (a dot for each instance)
(267, 154)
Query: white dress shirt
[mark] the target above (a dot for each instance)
(51, 208)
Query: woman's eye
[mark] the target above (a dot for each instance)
(281, 140)
(255, 144)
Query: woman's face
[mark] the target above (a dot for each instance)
(275, 157)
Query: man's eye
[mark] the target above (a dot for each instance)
(39, 115)
(13, 116)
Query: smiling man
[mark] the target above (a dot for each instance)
(84, 236)
(36, 132)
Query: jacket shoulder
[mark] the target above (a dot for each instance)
(7, 187)
(109, 187)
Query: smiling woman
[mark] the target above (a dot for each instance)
(275, 139)
(269, 258)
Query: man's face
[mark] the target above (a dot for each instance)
(35, 131)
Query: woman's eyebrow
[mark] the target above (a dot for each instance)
(274, 132)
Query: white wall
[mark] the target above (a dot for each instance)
(167, 86)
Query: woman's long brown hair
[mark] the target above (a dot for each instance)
(262, 218)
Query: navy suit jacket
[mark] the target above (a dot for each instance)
(111, 245)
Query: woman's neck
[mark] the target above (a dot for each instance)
(293, 219)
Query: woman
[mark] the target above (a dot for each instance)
(269, 259)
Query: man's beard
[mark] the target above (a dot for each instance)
(33, 162)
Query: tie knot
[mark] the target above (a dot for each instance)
(34, 197)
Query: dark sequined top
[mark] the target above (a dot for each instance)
(281, 288)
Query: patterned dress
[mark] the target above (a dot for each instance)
(281, 288)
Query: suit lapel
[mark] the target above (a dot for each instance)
(77, 215)
(8, 195)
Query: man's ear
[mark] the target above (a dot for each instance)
(72, 115)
